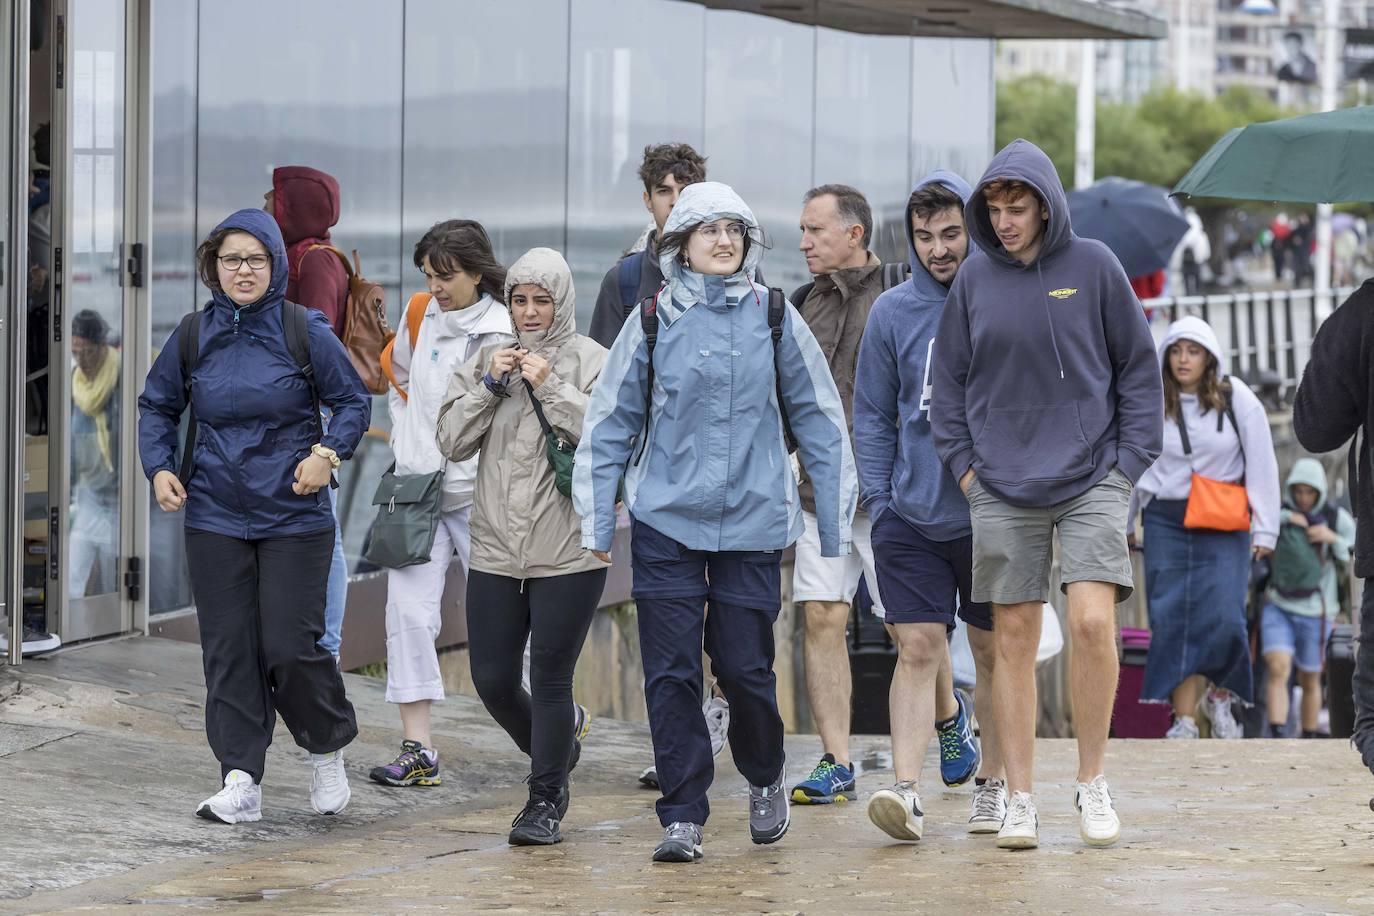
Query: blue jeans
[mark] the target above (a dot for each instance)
(336, 594)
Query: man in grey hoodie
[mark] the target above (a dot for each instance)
(922, 539)
(1047, 406)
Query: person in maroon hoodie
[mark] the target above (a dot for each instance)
(305, 204)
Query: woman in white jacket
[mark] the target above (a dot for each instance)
(1196, 579)
(462, 314)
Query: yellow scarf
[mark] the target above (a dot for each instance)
(92, 394)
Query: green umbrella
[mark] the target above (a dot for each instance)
(1316, 158)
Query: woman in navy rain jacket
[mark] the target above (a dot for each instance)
(259, 531)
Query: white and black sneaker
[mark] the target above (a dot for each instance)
(989, 806)
(239, 802)
(1021, 828)
(1097, 819)
(897, 812)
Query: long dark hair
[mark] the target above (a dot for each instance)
(1211, 389)
(462, 244)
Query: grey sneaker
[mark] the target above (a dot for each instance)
(681, 843)
(769, 812)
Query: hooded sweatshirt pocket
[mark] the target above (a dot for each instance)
(1020, 444)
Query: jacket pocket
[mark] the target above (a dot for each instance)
(1021, 444)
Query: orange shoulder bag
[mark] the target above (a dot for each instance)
(1216, 505)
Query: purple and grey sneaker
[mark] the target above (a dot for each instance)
(416, 765)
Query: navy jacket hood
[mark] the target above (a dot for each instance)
(261, 226)
(1021, 160)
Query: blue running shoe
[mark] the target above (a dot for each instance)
(959, 754)
(828, 782)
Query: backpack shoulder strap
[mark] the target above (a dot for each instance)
(343, 258)
(895, 273)
(801, 292)
(648, 322)
(188, 347)
(415, 314)
(627, 277)
(295, 322)
(777, 314)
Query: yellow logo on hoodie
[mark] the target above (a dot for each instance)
(1063, 292)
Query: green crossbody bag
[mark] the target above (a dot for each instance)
(408, 508)
(558, 450)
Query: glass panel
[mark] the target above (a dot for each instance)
(323, 88)
(758, 79)
(635, 80)
(863, 99)
(94, 306)
(462, 70)
(951, 106)
(172, 277)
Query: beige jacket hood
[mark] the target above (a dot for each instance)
(521, 525)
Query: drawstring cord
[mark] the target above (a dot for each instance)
(1049, 316)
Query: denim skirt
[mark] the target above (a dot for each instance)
(1195, 584)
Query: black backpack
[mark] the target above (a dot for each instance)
(894, 273)
(295, 324)
(777, 312)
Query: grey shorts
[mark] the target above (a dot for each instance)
(1013, 545)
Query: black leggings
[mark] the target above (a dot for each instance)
(260, 605)
(555, 614)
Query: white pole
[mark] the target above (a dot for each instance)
(1181, 49)
(1085, 138)
(1330, 71)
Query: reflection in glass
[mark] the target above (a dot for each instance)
(627, 90)
(863, 100)
(95, 432)
(945, 72)
(758, 127)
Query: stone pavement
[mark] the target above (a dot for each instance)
(102, 761)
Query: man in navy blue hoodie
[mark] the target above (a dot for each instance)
(922, 539)
(1047, 406)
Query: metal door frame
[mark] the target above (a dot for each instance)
(14, 318)
(135, 218)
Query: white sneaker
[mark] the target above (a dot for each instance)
(240, 801)
(1218, 709)
(1097, 820)
(897, 811)
(1021, 828)
(1183, 727)
(989, 807)
(717, 713)
(329, 792)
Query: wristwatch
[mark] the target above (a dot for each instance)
(328, 454)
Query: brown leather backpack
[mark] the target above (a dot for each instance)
(365, 329)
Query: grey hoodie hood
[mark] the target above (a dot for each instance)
(1307, 471)
(926, 287)
(1023, 161)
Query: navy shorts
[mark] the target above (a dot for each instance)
(923, 581)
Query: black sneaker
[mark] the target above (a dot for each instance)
(682, 843)
(575, 755)
(536, 825)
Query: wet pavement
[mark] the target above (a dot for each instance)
(98, 817)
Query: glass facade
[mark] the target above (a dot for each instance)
(530, 116)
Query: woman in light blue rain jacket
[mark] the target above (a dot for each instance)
(713, 498)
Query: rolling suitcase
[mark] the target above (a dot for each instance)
(1130, 717)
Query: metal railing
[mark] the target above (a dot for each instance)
(1260, 332)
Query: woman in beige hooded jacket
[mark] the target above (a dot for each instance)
(529, 576)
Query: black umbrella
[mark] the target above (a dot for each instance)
(1137, 221)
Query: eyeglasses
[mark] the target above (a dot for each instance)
(233, 262)
(711, 231)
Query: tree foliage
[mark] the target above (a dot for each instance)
(1155, 140)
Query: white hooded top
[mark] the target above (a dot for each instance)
(445, 342)
(1216, 453)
